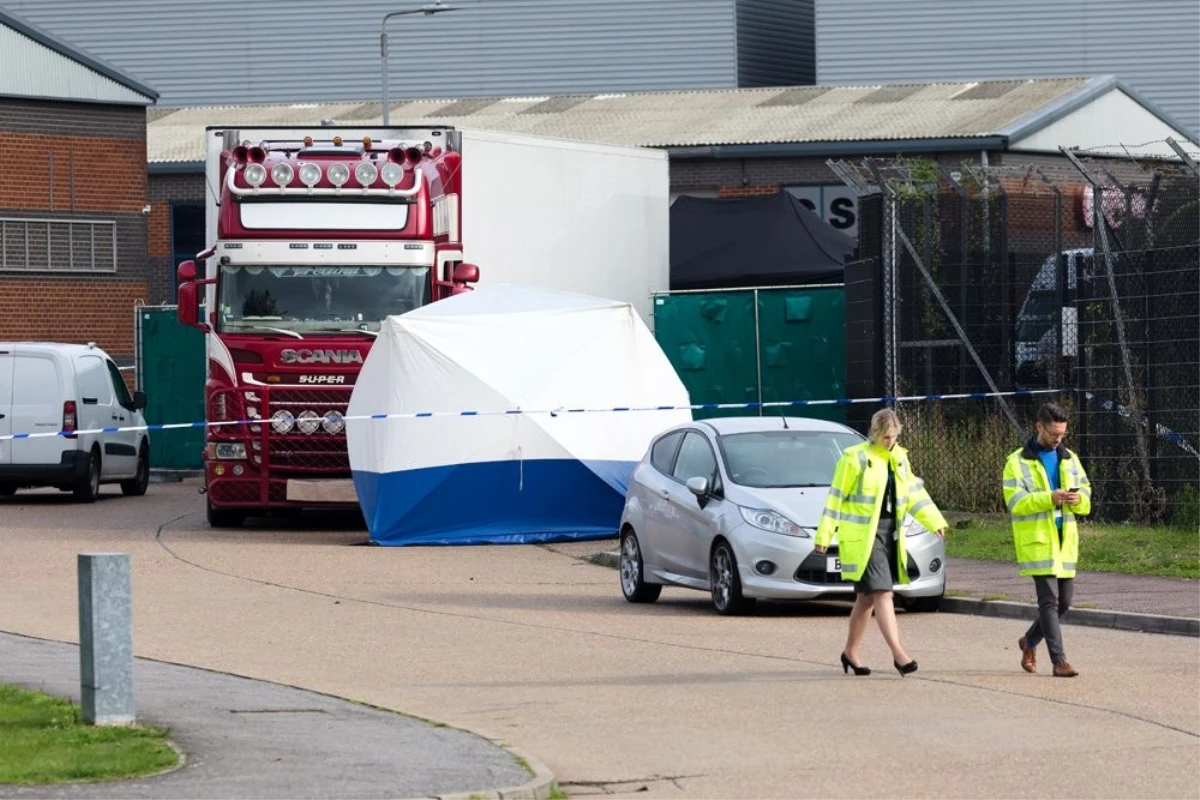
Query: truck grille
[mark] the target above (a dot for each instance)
(317, 453)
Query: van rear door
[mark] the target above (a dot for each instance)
(37, 407)
(6, 374)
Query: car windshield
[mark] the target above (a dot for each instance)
(307, 298)
(784, 459)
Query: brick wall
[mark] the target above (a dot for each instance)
(71, 310)
(62, 161)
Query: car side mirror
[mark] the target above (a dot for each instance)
(699, 487)
(139, 401)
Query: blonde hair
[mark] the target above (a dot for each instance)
(882, 422)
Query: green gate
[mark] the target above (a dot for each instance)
(757, 345)
(171, 373)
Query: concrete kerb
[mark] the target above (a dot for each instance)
(541, 786)
(1091, 617)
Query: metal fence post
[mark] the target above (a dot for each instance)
(105, 639)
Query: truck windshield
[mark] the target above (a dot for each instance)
(314, 299)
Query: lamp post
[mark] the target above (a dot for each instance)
(427, 10)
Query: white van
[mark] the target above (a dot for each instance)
(48, 387)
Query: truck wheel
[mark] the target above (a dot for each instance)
(88, 488)
(136, 486)
(224, 517)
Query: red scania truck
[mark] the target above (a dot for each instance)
(318, 234)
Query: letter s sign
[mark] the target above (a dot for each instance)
(835, 203)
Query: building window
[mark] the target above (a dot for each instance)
(58, 245)
(187, 235)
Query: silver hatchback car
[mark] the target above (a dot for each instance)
(730, 506)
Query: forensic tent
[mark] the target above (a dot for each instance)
(772, 240)
(485, 467)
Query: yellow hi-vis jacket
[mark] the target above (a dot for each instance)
(1033, 513)
(855, 501)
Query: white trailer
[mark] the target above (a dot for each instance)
(567, 215)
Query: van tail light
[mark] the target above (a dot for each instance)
(69, 419)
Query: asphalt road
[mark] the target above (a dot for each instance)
(536, 647)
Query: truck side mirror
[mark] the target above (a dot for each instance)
(186, 271)
(466, 273)
(139, 400)
(187, 310)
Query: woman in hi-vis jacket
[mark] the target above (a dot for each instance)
(873, 490)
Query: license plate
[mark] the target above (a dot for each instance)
(834, 564)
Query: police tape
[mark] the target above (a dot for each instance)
(553, 412)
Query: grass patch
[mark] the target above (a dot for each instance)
(1170, 552)
(557, 793)
(43, 740)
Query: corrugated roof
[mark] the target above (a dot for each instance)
(25, 77)
(679, 119)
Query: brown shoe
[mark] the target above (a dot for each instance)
(1064, 670)
(1028, 656)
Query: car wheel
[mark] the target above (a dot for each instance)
(7, 490)
(633, 571)
(136, 486)
(88, 488)
(224, 517)
(726, 585)
(923, 604)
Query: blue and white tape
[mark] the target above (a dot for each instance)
(554, 412)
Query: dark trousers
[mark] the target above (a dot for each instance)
(1054, 600)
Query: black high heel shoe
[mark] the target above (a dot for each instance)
(905, 669)
(848, 665)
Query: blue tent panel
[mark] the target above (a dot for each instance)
(499, 502)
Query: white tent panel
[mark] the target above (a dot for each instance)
(507, 477)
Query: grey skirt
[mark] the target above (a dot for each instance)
(880, 575)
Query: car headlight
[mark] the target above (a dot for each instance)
(913, 528)
(773, 521)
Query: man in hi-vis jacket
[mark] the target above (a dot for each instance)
(1045, 489)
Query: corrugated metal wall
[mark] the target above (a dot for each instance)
(775, 43)
(32, 69)
(231, 51)
(1152, 45)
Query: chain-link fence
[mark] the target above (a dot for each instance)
(1075, 274)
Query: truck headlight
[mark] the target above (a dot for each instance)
(773, 521)
(308, 421)
(230, 451)
(283, 421)
(333, 423)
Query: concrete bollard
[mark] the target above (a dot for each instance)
(105, 639)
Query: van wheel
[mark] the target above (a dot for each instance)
(224, 517)
(136, 486)
(88, 488)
